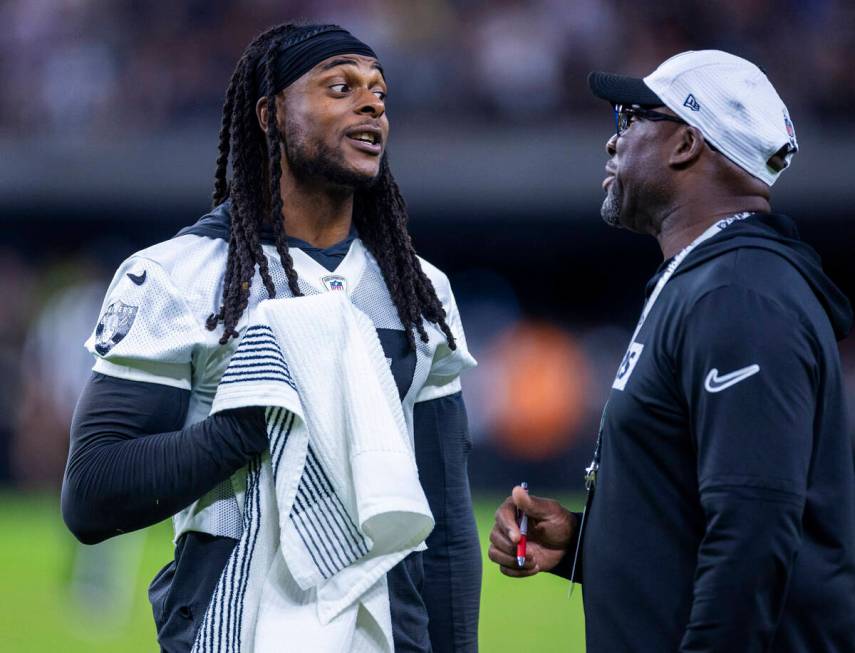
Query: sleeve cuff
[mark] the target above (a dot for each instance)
(429, 392)
(161, 373)
(564, 568)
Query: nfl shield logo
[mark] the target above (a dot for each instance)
(791, 132)
(113, 326)
(334, 282)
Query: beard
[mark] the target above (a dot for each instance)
(610, 210)
(319, 161)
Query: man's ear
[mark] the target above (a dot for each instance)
(261, 112)
(689, 144)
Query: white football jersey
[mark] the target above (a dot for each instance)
(152, 329)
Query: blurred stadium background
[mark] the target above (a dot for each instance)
(109, 111)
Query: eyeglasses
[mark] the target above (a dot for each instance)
(624, 115)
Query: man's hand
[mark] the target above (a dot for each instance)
(551, 530)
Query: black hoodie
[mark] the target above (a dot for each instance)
(724, 512)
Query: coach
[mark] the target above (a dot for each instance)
(721, 507)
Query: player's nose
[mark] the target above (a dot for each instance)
(371, 105)
(611, 145)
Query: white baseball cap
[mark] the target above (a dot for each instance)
(729, 99)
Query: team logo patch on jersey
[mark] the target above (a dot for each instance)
(334, 282)
(627, 365)
(113, 326)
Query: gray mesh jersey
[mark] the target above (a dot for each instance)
(152, 329)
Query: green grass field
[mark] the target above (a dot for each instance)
(49, 604)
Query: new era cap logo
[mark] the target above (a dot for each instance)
(692, 103)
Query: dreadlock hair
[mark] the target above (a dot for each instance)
(379, 212)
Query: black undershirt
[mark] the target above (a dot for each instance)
(329, 257)
(130, 465)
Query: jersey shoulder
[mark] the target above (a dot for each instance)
(440, 282)
(188, 268)
(189, 261)
(448, 363)
(152, 319)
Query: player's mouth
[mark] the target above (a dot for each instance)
(610, 177)
(366, 138)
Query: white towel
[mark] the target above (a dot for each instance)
(335, 502)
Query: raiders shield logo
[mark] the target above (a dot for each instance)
(114, 325)
(334, 282)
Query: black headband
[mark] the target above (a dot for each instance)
(298, 54)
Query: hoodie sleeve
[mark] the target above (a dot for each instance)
(748, 369)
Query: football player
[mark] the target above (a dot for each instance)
(304, 202)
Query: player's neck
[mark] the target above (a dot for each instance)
(317, 214)
(684, 223)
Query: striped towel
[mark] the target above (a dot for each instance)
(333, 504)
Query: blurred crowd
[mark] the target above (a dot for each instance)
(95, 68)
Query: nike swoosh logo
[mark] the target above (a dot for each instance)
(716, 383)
(138, 279)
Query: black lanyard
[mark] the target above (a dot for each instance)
(590, 483)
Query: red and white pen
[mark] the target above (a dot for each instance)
(523, 533)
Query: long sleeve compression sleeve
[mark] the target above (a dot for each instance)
(452, 562)
(130, 464)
